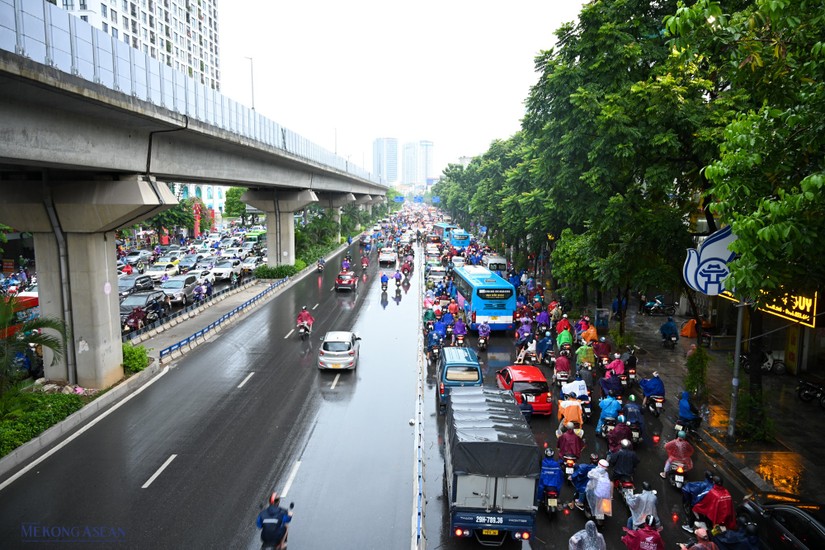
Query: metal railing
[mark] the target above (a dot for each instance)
(50, 35)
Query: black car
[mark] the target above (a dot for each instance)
(132, 283)
(785, 521)
(153, 302)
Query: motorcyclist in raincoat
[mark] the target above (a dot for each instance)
(610, 409)
(652, 386)
(678, 450)
(642, 506)
(717, 506)
(600, 491)
(551, 474)
(588, 538)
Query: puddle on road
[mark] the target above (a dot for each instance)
(781, 469)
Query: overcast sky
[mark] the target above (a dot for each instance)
(455, 72)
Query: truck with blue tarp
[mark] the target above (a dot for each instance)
(492, 465)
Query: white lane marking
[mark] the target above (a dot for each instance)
(79, 432)
(316, 305)
(291, 478)
(335, 381)
(288, 334)
(330, 289)
(160, 470)
(245, 380)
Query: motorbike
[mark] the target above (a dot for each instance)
(569, 462)
(459, 340)
(383, 287)
(690, 427)
(624, 485)
(364, 264)
(435, 350)
(655, 404)
(676, 474)
(562, 377)
(657, 306)
(320, 267)
(635, 433)
(549, 359)
(551, 500)
(135, 321)
(669, 342)
(608, 426)
(770, 363)
(623, 378)
(482, 343)
(587, 408)
(304, 330)
(808, 391)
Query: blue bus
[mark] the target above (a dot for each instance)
(485, 296)
(443, 230)
(459, 238)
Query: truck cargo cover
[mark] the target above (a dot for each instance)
(487, 434)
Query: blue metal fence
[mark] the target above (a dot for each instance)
(54, 37)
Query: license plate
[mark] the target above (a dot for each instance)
(658, 404)
(551, 502)
(494, 318)
(624, 382)
(530, 398)
(635, 435)
(336, 365)
(489, 531)
(633, 377)
(568, 471)
(679, 427)
(679, 479)
(587, 409)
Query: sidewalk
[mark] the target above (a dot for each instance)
(790, 463)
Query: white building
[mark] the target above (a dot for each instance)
(181, 33)
(385, 159)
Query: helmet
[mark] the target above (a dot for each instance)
(602, 339)
(631, 398)
(617, 356)
(625, 443)
(620, 420)
(586, 318)
(547, 333)
(603, 463)
(670, 319)
(548, 452)
(681, 435)
(274, 498)
(594, 458)
(564, 316)
(611, 393)
(304, 308)
(570, 426)
(717, 481)
(645, 486)
(656, 374)
(650, 520)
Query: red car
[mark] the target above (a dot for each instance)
(528, 384)
(347, 280)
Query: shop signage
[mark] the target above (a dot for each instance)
(793, 307)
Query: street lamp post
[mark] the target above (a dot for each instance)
(252, 80)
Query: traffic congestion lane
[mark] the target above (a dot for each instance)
(229, 442)
(554, 532)
(354, 486)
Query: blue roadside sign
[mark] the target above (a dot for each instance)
(418, 199)
(436, 200)
(399, 199)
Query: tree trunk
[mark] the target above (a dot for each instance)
(756, 413)
(695, 313)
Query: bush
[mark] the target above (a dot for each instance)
(24, 415)
(135, 358)
(752, 424)
(620, 341)
(697, 372)
(277, 272)
(300, 265)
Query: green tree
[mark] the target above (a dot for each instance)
(28, 334)
(233, 206)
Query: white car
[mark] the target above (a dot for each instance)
(387, 256)
(156, 271)
(339, 350)
(235, 252)
(203, 275)
(225, 268)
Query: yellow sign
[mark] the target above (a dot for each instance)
(801, 309)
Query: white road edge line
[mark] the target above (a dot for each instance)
(330, 289)
(335, 381)
(159, 471)
(291, 478)
(245, 380)
(288, 334)
(77, 434)
(316, 305)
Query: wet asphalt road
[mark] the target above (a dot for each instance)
(249, 412)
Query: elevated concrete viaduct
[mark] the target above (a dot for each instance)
(79, 160)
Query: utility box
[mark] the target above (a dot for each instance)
(602, 320)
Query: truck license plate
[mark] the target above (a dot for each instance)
(489, 532)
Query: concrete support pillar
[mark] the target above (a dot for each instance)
(280, 207)
(73, 224)
(363, 201)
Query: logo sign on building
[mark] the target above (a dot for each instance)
(399, 199)
(706, 267)
(436, 199)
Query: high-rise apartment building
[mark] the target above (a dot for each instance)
(183, 34)
(425, 161)
(409, 163)
(385, 159)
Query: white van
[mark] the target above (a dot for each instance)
(495, 263)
